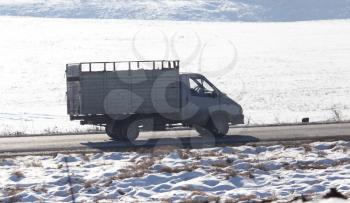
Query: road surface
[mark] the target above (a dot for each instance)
(183, 138)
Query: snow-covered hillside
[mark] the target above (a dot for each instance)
(165, 174)
(279, 72)
(204, 10)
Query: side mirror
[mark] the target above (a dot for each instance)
(214, 94)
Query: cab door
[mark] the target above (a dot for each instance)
(199, 95)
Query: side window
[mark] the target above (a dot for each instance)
(200, 87)
(195, 87)
(193, 84)
(208, 89)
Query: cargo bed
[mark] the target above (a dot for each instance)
(113, 88)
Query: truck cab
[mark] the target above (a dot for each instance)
(147, 96)
(206, 107)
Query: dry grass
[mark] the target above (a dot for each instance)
(9, 133)
(197, 157)
(59, 166)
(229, 200)
(311, 166)
(34, 163)
(108, 183)
(84, 157)
(225, 173)
(287, 166)
(246, 198)
(211, 153)
(248, 174)
(321, 154)
(341, 162)
(40, 189)
(89, 183)
(243, 156)
(54, 130)
(229, 173)
(191, 154)
(11, 191)
(307, 148)
(162, 150)
(102, 198)
(272, 198)
(158, 151)
(165, 200)
(13, 194)
(136, 170)
(209, 197)
(336, 114)
(124, 174)
(188, 168)
(18, 174)
(184, 154)
(146, 163)
(342, 149)
(261, 166)
(51, 131)
(224, 162)
(221, 164)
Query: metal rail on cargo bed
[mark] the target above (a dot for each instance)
(127, 65)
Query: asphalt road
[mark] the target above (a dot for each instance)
(182, 138)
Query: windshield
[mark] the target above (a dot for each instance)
(200, 86)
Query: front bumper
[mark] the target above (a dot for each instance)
(237, 119)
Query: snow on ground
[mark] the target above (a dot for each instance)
(173, 175)
(208, 10)
(279, 72)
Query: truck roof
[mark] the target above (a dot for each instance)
(191, 74)
(127, 65)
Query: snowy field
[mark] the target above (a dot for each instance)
(225, 174)
(204, 10)
(278, 72)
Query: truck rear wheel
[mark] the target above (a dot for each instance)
(113, 131)
(131, 131)
(127, 130)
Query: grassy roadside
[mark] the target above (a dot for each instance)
(100, 130)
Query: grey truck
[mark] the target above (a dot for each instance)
(128, 96)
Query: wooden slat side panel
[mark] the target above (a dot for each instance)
(92, 92)
(130, 92)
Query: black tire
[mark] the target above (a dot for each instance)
(203, 131)
(217, 126)
(131, 130)
(114, 131)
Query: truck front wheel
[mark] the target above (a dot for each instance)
(217, 126)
